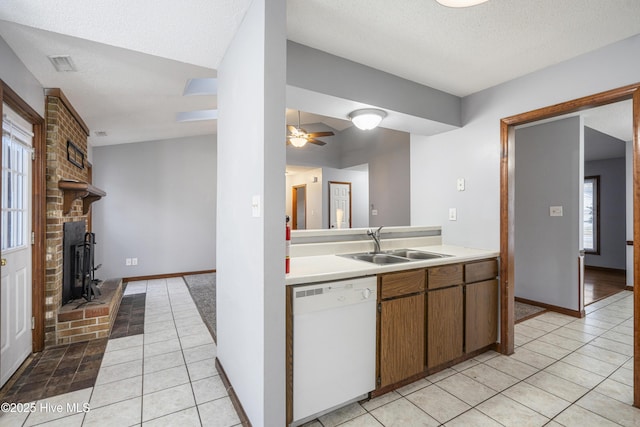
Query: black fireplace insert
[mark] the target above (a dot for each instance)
(78, 270)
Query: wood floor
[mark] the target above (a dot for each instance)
(600, 284)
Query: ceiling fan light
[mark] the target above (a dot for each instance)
(297, 141)
(460, 3)
(367, 118)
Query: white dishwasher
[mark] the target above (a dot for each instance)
(334, 345)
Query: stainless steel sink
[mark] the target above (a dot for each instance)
(394, 256)
(413, 254)
(377, 258)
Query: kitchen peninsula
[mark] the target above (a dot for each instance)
(366, 323)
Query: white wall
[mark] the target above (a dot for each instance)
(314, 196)
(251, 248)
(548, 172)
(160, 207)
(19, 78)
(612, 213)
(473, 152)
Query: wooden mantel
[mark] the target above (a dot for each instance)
(79, 190)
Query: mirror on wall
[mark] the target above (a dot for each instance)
(375, 164)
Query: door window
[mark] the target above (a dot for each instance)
(16, 153)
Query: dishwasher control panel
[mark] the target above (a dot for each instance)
(322, 296)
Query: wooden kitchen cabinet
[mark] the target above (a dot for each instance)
(444, 325)
(401, 337)
(481, 315)
(481, 304)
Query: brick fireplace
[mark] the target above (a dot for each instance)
(66, 151)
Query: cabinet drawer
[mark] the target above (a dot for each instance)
(478, 271)
(447, 275)
(401, 283)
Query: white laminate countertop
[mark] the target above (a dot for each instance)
(322, 268)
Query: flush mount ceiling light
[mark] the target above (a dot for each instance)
(460, 3)
(367, 118)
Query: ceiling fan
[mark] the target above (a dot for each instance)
(298, 137)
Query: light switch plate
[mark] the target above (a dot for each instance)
(374, 212)
(555, 210)
(460, 184)
(453, 214)
(255, 206)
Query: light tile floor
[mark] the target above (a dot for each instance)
(164, 377)
(565, 372)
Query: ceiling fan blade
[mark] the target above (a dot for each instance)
(292, 129)
(316, 141)
(319, 134)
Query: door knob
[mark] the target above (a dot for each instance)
(4, 262)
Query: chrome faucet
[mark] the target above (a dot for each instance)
(375, 235)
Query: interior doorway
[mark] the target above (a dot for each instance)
(299, 207)
(507, 207)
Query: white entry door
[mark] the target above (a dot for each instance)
(15, 295)
(339, 204)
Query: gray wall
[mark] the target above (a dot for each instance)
(387, 153)
(473, 151)
(15, 74)
(160, 207)
(359, 194)
(548, 173)
(612, 213)
(324, 73)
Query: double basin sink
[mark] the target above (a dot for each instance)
(394, 256)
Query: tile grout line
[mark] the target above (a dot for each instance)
(524, 379)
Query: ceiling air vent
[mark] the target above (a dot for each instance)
(62, 63)
(100, 133)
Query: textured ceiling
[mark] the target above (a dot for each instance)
(460, 51)
(134, 57)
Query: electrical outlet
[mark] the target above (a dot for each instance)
(134, 261)
(460, 184)
(127, 261)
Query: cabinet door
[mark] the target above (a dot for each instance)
(402, 335)
(481, 317)
(444, 323)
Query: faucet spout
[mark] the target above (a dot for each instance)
(375, 235)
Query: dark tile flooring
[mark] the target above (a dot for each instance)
(130, 317)
(71, 367)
